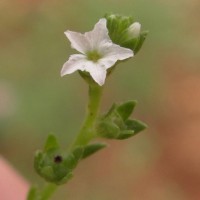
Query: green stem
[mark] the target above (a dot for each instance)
(36, 194)
(48, 191)
(87, 131)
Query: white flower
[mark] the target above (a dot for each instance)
(134, 29)
(98, 52)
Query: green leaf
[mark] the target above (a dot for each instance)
(51, 143)
(126, 134)
(92, 148)
(107, 129)
(33, 193)
(125, 109)
(136, 125)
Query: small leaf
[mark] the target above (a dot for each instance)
(126, 134)
(136, 125)
(107, 129)
(48, 173)
(125, 109)
(51, 143)
(92, 148)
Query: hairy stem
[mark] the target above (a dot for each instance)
(87, 131)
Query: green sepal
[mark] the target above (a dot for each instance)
(92, 148)
(108, 129)
(51, 143)
(125, 134)
(125, 109)
(136, 125)
(140, 41)
(110, 111)
(48, 173)
(38, 160)
(131, 43)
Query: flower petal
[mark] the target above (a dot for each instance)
(112, 53)
(75, 62)
(78, 41)
(98, 35)
(97, 71)
(116, 52)
(107, 62)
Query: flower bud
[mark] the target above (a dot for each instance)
(134, 30)
(116, 123)
(52, 166)
(55, 166)
(125, 32)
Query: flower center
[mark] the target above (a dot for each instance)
(93, 55)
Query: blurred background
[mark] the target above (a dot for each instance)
(161, 163)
